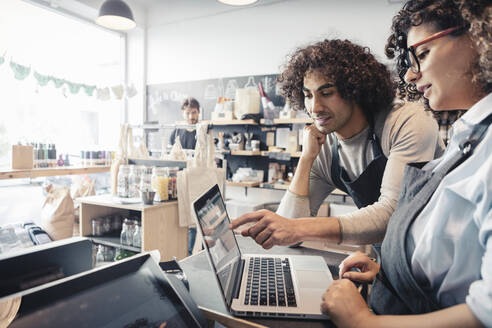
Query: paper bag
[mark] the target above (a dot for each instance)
(22, 157)
(247, 101)
(57, 214)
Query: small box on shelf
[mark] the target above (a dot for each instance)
(22, 157)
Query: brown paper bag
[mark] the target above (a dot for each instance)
(247, 102)
(57, 214)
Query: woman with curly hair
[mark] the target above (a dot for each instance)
(360, 142)
(436, 259)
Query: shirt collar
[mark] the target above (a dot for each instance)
(479, 111)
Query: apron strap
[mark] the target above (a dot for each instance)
(336, 169)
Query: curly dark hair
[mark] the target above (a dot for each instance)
(357, 75)
(473, 16)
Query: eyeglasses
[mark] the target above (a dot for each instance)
(410, 61)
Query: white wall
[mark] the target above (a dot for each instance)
(255, 40)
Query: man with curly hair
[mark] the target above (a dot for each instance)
(436, 258)
(360, 142)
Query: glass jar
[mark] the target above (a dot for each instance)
(97, 227)
(146, 179)
(173, 187)
(134, 180)
(137, 236)
(116, 222)
(123, 186)
(160, 179)
(107, 224)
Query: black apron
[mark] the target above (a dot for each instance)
(395, 290)
(366, 189)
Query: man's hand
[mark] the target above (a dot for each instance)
(369, 269)
(344, 305)
(312, 141)
(270, 229)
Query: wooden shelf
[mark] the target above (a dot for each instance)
(246, 152)
(279, 186)
(113, 241)
(289, 121)
(295, 155)
(232, 122)
(52, 171)
(243, 184)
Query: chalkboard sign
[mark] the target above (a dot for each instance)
(164, 100)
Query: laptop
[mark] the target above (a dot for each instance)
(259, 285)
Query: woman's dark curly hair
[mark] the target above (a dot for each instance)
(357, 75)
(473, 15)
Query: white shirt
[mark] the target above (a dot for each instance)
(453, 233)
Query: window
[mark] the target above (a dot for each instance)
(56, 45)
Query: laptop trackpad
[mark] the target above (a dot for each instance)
(313, 279)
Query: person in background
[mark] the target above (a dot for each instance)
(436, 260)
(360, 141)
(190, 108)
(187, 137)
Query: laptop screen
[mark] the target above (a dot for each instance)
(219, 239)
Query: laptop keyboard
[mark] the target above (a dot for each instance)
(269, 283)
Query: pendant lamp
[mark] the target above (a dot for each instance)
(116, 15)
(238, 2)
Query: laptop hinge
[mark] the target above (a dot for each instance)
(237, 283)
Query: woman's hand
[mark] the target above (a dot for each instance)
(368, 268)
(344, 305)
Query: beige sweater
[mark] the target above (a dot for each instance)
(407, 134)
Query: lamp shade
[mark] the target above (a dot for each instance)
(116, 15)
(238, 2)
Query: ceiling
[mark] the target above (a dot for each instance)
(162, 12)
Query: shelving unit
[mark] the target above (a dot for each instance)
(160, 225)
(52, 171)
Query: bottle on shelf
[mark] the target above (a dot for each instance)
(35, 155)
(137, 236)
(61, 161)
(100, 254)
(265, 101)
(124, 233)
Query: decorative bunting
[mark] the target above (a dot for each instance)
(42, 79)
(21, 72)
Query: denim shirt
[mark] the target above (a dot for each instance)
(452, 235)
